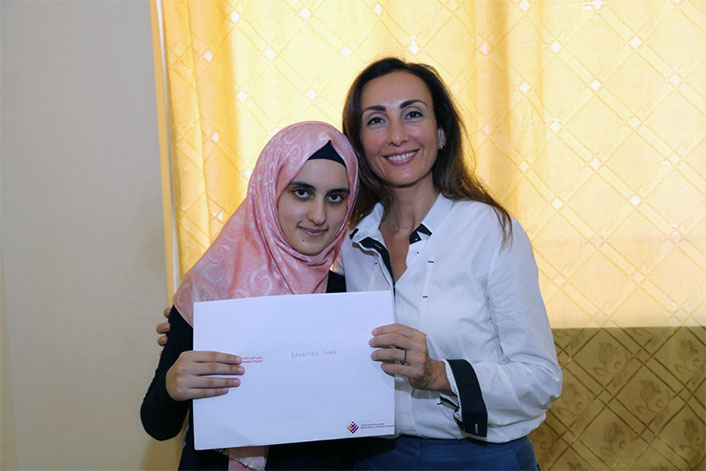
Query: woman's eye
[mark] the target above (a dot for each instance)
(301, 193)
(374, 120)
(336, 198)
(414, 114)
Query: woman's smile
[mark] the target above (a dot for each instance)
(402, 158)
(399, 133)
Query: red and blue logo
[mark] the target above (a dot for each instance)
(352, 428)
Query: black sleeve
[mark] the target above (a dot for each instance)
(163, 417)
(336, 283)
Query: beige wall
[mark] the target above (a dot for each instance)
(83, 272)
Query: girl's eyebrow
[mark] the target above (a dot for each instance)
(302, 185)
(307, 186)
(402, 105)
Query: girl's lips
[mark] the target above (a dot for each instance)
(313, 232)
(400, 158)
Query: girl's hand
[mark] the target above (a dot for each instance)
(188, 378)
(163, 328)
(422, 371)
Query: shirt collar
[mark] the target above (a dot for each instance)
(437, 213)
(369, 225)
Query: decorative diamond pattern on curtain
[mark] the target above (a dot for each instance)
(587, 119)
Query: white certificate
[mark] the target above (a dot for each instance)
(308, 372)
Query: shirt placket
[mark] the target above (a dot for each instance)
(412, 311)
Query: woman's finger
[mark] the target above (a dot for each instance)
(392, 355)
(211, 357)
(396, 369)
(396, 329)
(205, 369)
(184, 392)
(392, 340)
(201, 393)
(163, 327)
(207, 363)
(191, 374)
(207, 382)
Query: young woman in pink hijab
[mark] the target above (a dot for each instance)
(281, 240)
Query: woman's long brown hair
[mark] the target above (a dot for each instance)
(451, 174)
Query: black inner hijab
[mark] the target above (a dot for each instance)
(327, 152)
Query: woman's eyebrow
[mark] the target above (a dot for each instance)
(374, 108)
(402, 105)
(411, 102)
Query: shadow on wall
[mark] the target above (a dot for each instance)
(633, 399)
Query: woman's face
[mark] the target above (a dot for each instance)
(398, 128)
(313, 207)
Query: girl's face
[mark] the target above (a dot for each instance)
(399, 133)
(313, 207)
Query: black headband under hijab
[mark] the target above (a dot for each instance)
(327, 152)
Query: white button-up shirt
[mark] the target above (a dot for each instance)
(477, 299)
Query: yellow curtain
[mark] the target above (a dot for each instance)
(587, 119)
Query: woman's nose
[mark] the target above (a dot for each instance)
(398, 134)
(317, 212)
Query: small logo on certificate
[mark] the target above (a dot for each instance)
(352, 427)
(250, 359)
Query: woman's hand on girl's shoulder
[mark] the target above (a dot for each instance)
(162, 328)
(190, 377)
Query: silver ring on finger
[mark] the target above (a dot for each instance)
(404, 360)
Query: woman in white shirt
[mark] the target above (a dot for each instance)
(472, 349)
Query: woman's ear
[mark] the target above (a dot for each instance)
(441, 138)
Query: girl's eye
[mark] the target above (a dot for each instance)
(336, 198)
(301, 193)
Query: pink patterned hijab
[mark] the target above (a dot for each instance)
(251, 256)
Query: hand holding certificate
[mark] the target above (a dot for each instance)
(308, 372)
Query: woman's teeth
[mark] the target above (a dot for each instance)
(400, 157)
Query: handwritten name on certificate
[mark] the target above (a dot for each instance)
(308, 372)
